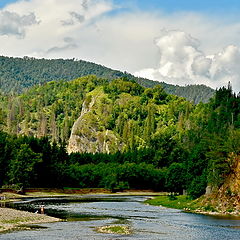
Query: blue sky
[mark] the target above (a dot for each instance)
(176, 41)
(175, 5)
(4, 2)
(199, 5)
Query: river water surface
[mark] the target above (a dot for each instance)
(84, 214)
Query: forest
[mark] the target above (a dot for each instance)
(158, 141)
(19, 74)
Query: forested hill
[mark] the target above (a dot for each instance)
(120, 135)
(18, 74)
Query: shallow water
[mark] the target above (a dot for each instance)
(84, 213)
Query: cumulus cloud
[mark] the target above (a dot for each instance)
(46, 38)
(12, 23)
(182, 62)
(201, 65)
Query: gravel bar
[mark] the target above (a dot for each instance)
(11, 219)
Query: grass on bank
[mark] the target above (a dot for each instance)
(179, 202)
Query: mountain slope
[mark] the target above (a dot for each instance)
(190, 146)
(93, 109)
(18, 74)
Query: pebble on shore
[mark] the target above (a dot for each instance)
(11, 219)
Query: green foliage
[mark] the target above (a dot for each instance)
(48, 110)
(51, 109)
(116, 176)
(19, 74)
(197, 186)
(155, 140)
(5, 156)
(172, 197)
(225, 111)
(175, 177)
(37, 163)
(22, 166)
(180, 202)
(119, 86)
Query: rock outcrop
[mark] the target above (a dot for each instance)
(89, 133)
(226, 199)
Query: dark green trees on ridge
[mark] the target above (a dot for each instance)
(19, 74)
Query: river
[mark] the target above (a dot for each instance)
(83, 214)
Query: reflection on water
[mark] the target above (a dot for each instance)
(84, 214)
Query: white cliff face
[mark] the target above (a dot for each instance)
(76, 142)
(88, 135)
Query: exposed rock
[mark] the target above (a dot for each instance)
(89, 133)
(226, 199)
(209, 190)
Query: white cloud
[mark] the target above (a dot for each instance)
(201, 65)
(181, 62)
(47, 38)
(126, 40)
(12, 23)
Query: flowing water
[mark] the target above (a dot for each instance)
(84, 214)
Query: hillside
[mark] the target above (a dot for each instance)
(51, 110)
(19, 74)
(119, 135)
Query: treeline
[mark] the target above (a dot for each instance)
(33, 162)
(19, 74)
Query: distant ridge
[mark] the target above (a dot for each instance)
(19, 74)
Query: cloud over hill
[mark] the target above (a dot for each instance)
(182, 62)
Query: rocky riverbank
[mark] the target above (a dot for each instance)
(11, 219)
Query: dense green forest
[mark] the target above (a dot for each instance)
(18, 74)
(154, 140)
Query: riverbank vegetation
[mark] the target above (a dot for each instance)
(178, 202)
(151, 140)
(208, 204)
